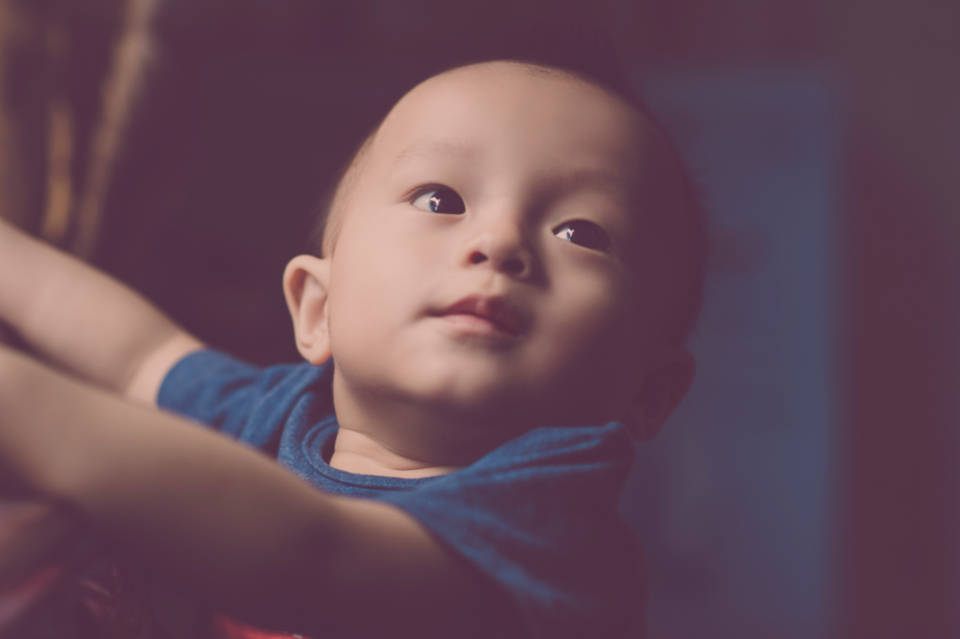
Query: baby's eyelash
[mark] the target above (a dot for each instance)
(413, 194)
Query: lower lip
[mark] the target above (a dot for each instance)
(466, 324)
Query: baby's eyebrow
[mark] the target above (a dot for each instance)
(587, 177)
(590, 177)
(435, 147)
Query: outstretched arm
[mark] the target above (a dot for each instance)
(83, 321)
(244, 534)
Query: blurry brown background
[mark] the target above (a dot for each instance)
(182, 145)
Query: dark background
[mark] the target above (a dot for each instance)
(182, 145)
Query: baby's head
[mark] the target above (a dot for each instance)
(513, 246)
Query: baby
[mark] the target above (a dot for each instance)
(508, 272)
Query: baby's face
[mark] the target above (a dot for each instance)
(488, 258)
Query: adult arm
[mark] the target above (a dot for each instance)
(33, 533)
(245, 535)
(83, 321)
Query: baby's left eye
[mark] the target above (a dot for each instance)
(584, 233)
(439, 199)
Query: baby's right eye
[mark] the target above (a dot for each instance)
(438, 199)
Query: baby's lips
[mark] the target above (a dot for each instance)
(495, 309)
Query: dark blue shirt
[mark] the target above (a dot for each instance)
(537, 515)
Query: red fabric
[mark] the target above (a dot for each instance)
(22, 538)
(15, 600)
(226, 628)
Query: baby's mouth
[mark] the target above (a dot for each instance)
(493, 311)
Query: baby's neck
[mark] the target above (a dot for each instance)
(382, 434)
(357, 452)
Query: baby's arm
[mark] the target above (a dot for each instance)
(224, 522)
(84, 321)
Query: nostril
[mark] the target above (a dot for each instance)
(513, 265)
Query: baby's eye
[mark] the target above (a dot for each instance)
(583, 233)
(438, 199)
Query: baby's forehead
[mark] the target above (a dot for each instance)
(478, 103)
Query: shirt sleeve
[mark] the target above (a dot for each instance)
(540, 517)
(246, 402)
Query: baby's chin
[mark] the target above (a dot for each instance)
(504, 407)
(482, 397)
(554, 398)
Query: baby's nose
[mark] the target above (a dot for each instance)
(504, 248)
(513, 265)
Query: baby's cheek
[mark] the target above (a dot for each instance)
(602, 329)
(600, 304)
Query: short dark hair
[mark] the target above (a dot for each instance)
(691, 246)
(325, 204)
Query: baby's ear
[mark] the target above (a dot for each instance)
(659, 394)
(305, 282)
